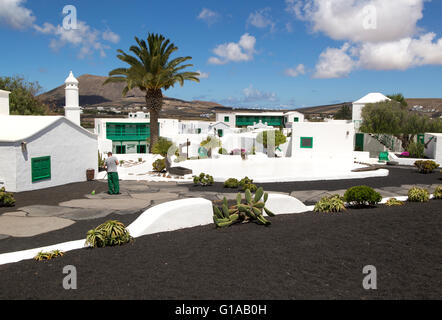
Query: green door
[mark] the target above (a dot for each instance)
(359, 142)
(421, 138)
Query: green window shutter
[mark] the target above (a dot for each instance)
(41, 168)
(226, 119)
(296, 119)
(306, 142)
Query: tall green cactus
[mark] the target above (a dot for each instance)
(250, 211)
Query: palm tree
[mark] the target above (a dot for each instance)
(151, 70)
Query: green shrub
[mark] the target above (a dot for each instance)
(222, 151)
(211, 143)
(252, 210)
(247, 184)
(159, 165)
(162, 146)
(426, 167)
(330, 204)
(418, 195)
(416, 150)
(231, 183)
(362, 196)
(109, 234)
(394, 202)
(6, 198)
(438, 193)
(203, 180)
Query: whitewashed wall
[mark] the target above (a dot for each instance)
(434, 150)
(7, 166)
(331, 141)
(72, 152)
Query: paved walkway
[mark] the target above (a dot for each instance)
(135, 197)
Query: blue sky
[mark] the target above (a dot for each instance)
(285, 53)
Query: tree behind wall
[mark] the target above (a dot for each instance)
(345, 113)
(23, 100)
(390, 117)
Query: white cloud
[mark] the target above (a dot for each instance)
(235, 52)
(208, 16)
(294, 72)
(402, 54)
(15, 15)
(254, 95)
(86, 38)
(378, 34)
(111, 36)
(261, 19)
(334, 63)
(348, 19)
(203, 75)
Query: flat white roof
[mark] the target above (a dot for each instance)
(15, 128)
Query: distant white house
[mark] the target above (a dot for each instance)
(38, 152)
(361, 103)
(246, 119)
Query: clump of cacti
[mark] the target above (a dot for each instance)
(249, 211)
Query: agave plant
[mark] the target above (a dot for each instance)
(250, 211)
(110, 233)
(43, 256)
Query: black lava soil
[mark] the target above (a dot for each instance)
(302, 256)
(398, 176)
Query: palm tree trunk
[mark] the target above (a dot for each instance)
(154, 103)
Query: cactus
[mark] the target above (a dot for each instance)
(250, 211)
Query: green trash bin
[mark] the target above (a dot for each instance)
(383, 156)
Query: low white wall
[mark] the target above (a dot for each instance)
(173, 215)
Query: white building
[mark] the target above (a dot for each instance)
(38, 152)
(246, 119)
(361, 103)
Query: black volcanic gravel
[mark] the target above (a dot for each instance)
(302, 256)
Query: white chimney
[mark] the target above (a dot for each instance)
(4, 103)
(72, 108)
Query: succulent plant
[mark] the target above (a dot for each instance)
(330, 204)
(111, 233)
(394, 202)
(6, 198)
(42, 256)
(418, 195)
(438, 193)
(249, 211)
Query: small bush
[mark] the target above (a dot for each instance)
(394, 202)
(416, 150)
(6, 198)
(330, 204)
(418, 195)
(162, 146)
(426, 167)
(222, 151)
(231, 183)
(438, 193)
(109, 234)
(362, 196)
(159, 165)
(247, 184)
(203, 180)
